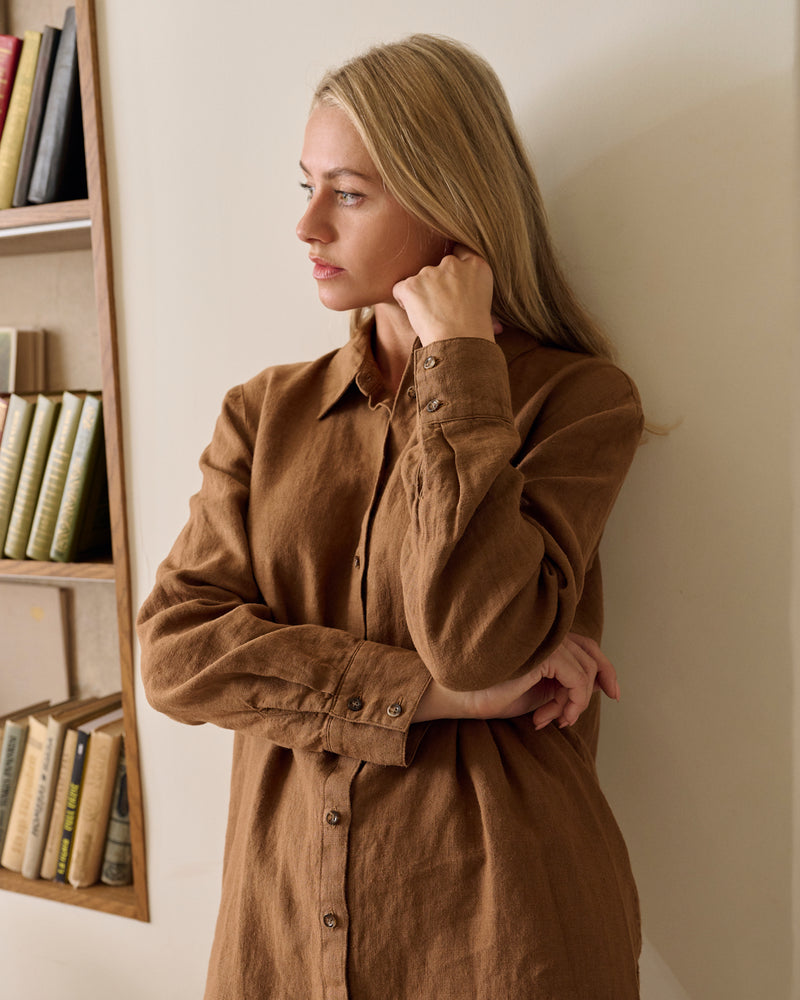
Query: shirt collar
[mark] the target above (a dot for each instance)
(351, 363)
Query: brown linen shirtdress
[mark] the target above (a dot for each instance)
(346, 546)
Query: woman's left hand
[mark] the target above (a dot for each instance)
(556, 690)
(450, 299)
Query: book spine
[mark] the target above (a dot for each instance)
(10, 47)
(43, 799)
(22, 808)
(14, 736)
(55, 474)
(33, 128)
(56, 825)
(117, 866)
(17, 117)
(30, 477)
(71, 811)
(12, 452)
(50, 156)
(77, 482)
(92, 822)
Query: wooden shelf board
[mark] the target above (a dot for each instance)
(60, 225)
(56, 570)
(120, 900)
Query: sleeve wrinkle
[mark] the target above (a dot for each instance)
(495, 561)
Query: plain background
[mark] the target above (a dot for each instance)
(663, 135)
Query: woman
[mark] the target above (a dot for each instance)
(389, 589)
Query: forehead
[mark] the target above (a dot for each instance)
(332, 145)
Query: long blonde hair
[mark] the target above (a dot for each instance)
(436, 122)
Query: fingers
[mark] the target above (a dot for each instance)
(580, 667)
(606, 676)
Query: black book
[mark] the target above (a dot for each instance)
(59, 171)
(33, 129)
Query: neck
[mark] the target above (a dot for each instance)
(394, 339)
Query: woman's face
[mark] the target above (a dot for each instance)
(361, 240)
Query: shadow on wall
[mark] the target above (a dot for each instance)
(680, 239)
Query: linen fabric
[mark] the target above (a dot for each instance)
(346, 545)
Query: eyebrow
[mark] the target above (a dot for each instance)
(332, 175)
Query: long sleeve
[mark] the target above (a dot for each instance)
(211, 651)
(508, 501)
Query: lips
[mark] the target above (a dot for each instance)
(323, 271)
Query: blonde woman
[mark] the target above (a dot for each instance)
(388, 586)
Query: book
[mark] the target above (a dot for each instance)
(89, 798)
(15, 733)
(117, 866)
(33, 626)
(57, 723)
(12, 452)
(10, 47)
(80, 485)
(17, 116)
(33, 127)
(56, 824)
(30, 477)
(74, 790)
(53, 479)
(4, 398)
(22, 805)
(22, 360)
(57, 170)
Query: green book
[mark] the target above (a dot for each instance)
(12, 452)
(30, 477)
(17, 118)
(79, 482)
(55, 475)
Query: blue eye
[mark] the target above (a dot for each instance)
(348, 197)
(309, 190)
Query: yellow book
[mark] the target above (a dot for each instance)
(17, 117)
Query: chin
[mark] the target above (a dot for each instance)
(338, 303)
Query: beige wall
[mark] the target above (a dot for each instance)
(662, 133)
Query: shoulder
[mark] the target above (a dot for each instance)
(548, 378)
(288, 388)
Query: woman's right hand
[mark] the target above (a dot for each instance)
(556, 690)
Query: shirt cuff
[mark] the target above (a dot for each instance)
(462, 378)
(373, 708)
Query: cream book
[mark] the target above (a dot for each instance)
(20, 820)
(34, 648)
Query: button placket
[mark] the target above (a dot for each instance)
(333, 911)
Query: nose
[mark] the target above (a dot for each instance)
(313, 226)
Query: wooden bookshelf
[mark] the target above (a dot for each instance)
(120, 900)
(58, 571)
(53, 228)
(61, 228)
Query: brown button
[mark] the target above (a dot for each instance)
(412, 392)
(433, 405)
(395, 710)
(333, 818)
(330, 920)
(357, 561)
(355, 704)
(430, 362)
